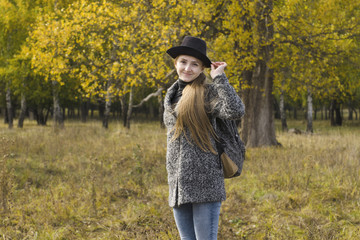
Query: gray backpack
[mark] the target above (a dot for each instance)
(230, 147)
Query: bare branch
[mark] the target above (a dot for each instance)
(154, 94)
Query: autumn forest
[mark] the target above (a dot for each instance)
(65, 58)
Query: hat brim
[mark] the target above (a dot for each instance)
(183, 50)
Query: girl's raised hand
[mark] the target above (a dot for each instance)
(217, 68)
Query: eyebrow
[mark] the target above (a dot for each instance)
(193, 61)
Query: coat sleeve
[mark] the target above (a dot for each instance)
(223, 99)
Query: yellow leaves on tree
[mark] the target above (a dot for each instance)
(312, 39)
(124, 44)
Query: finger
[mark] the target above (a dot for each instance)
(223, 64)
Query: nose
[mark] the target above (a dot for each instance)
(188, 67)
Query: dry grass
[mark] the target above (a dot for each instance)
(85, 182)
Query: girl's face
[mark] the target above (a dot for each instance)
(188, 68)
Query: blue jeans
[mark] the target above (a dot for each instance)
(198, 221)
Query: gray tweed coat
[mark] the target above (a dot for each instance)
(194, 175)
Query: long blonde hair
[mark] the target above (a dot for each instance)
(191, 114)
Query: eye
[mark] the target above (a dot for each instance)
(195, 64)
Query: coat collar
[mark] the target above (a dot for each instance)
(170, 94)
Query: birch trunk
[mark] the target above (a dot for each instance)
(10, 117)
(22, 111)
(107, 109)
(129, 112)
(123, 109)
(309, 126)
(356, 116)
(284, 126)
(58, 116)
(351, 111)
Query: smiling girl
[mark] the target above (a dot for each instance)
(195, 175)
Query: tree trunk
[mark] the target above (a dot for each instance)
(36, 115)
(309, 126)
(92, 111)
(327, 112)
(322, 113)
(128, 115)
(356, 116)
(6, 115)
(331, 113)
(107, 109)
(258, 124)
(101, 108)
(10, 117)
(41, 118)
(350, 117)
(338, 116)
(84, 109)
(335, 114)
(161, 110)
(284, 126)
(46, 115)
(4, 110)
(58, 115)
(22, 111)
(123, 109)
(350, 109)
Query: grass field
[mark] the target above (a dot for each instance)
(84, 182)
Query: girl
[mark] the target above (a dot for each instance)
(195, 175)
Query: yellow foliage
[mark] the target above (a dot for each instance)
(96, 42)
(312, 39)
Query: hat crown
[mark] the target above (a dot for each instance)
(194, 43)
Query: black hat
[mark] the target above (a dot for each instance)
(191, 46)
